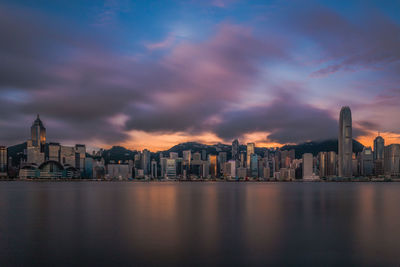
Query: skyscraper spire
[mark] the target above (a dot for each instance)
(38, 133)
(345, 140)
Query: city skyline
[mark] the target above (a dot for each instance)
(155, 74)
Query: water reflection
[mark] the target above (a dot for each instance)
(199, 223)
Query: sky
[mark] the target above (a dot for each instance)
(151, 74)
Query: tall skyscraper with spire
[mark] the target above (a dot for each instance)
(379, 146)
(38, 133)
(345, 143)
(379, 152)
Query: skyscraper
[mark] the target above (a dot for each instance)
(213, 165)
(235, 149)
(379, 146)
(345, 143)
(367, 164)
(38, 134)
(250, 150)
(307, 166)
(254, 165)
(323, 164)
(332, 164)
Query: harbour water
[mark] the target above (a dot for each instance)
(189, 224)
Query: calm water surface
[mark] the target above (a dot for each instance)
(112, 224)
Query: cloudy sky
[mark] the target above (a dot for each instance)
(150, 74)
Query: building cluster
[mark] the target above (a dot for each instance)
(53, 160)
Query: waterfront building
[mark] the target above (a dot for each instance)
(332, 164)
(229, 170)
(145, 161)
(323, 164)
(88, 173)
(379, 150)
(222, 159)
(254, 165)
(367, 162)
(3, 162)
(392, 160)
(119, 171)
(153, 169)
(213, 165)
(80, 156)
(34, 154)
(241, 172)
(49, 170)
(379, 146)
(170, 168)
(242, 160)
(308, 167)
(53, 152)
(38, 134)
(266, 173)
(355, 165)
(250, 150)
(67, 156)
(235, 149)
(260, 167)
(345, 143)
(206, 170)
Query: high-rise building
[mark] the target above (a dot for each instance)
(53, 152)
(222, 159)
(153, 169)
(250, 150)
(38, 134)
(235, 149)
(379, 146)
(254, 165)
(187, 155)
(323, 164)
(379, 150)
(231, 168)
(345, 141)
(170, 168)
(3, 161)
(80, 156)
(67, 156)
(242, 160)
(332, 164)
(392, 160)
(308, 166)
(145, 161)
(213, 165)
(367, 163)
(34, 154)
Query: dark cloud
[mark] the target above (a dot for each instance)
(79, 83)
(287, 120)
(372, 40)
(79, 86)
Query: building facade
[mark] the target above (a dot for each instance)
(345, 143)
